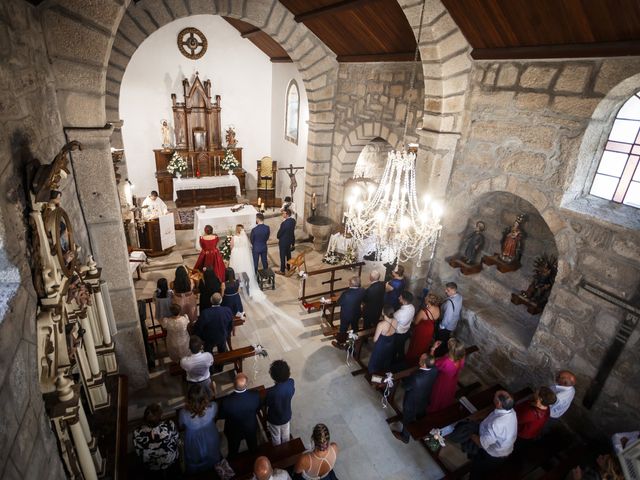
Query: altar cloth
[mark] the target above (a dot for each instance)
(205, 182)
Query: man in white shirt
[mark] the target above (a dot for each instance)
(404, 316)
(565, 391)
(262, 470)
(153, 206)
(198, 364)
(497, 435)
(450, 309)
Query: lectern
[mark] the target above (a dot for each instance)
(159, 235)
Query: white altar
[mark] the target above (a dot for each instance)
(205, 182)
(223, 220)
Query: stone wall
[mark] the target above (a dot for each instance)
(31, 128)
(525, 128)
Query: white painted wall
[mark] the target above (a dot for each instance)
(238, 71)
(283, 151)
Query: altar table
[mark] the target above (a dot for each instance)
(223, 220)
(206, 183)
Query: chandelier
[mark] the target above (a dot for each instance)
(388, 219)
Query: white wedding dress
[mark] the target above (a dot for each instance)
(241, 260)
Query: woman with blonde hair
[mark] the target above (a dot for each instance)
(449, 366)
(177, 335)
(241, 261)
(318, 463)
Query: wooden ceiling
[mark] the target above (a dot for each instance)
(508, 29)
(262, 40)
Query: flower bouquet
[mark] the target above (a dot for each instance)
(177, 165)
(225, 248)
(435, 440)
(229, 161)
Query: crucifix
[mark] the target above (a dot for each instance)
(625, 329)
(291, 171)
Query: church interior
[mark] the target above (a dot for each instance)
(477, 158)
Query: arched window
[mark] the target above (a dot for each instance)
(618, 175)
(292, 115)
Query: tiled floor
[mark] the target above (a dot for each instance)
(325, 390)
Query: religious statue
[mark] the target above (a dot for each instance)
(473, 243)
(166, 134)
(230, 137)
(512, 242)
(544, 274)
(292, 179)
(78, 292)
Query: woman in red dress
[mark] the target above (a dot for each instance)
(210, 257)
(423, 327)
(449, 366)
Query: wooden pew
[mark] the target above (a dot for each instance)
(234, 357)
(282, 456)
(363, 337)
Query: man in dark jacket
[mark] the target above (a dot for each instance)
(214, 325)
(373, 300)
(350, 303)
(239, 411)
(259, 238)
(417, 393)
(286, 239)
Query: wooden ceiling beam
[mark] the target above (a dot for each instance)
(578, 50)
(378, 57)
(281, 60)
(327, 9)
(251, 33)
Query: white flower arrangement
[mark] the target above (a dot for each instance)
(177, 164)
(229, 161)
(436, 436)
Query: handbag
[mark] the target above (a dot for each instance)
(224, 470)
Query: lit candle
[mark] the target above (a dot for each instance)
(314, 201)
(259, 202)
(262, 206)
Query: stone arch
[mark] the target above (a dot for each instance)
(577, 197)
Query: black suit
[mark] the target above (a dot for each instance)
(214, 326)
(350, 308)
(286, 241)
(417, 392)
(239, 411)
(373, 303)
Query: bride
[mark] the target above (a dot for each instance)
(241, 261)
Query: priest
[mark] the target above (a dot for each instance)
(153, 206)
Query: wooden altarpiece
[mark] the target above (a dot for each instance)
(75, 348)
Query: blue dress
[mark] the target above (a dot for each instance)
(382, 355)
(393, 297)
(232, 298)
(201, 439)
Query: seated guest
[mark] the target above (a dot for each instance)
(197, 365)
(451, 310)
(373, 300)
(177, 334)
(183, 293)
(496, 437)
(383, 342)
(533, 415)
(209, 285)
(162, 298)
(606, 467)
(350, 303)
(423, 328)
(319, 463)
(404, 316)
(449, 366)
(565, 391)
(214, 325)
(262, 470)
(417, 393)
(239, 411)
(156, 444)
(231, 296)
(201, 437)
(278, 402)
(394, 287)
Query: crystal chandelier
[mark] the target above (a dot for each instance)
(389, 220)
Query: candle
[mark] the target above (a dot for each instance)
(262, 206)
(313, 201)
(259, 202)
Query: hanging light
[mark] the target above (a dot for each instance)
(389, 220)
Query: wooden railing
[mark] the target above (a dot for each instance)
(310, 299)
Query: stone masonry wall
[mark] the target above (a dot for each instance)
(31, 128)
(525, 126)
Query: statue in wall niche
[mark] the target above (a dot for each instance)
(166, 134)
(535, 297)
(230, 137)
(472, 244)
(512, 242)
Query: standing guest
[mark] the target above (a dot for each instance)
(404, 316)
(394, 287)
(373, 300)
(565, 391)
(262, 470)
(318, 464)
(156, 445)
(451, 309)
(383, 342)
(162, 298)
(423, 328)
(153, 206)
(231, 298)
(449, 366)
(350, 303)
(278, 402)
(214, 325)
(201, 437)
(177, 334)
(286, 239)
(417, 393)
(183, 294)
(239, 410)
(532, 416)
(210, 257)
(209, 285)
(496, 437)
(259, 238)
(288, 203)
(197, 364)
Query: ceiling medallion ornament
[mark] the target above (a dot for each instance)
(192, 43)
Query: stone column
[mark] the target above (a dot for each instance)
(82, 449)
(93, 170)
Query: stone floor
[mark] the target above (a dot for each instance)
(325, 391)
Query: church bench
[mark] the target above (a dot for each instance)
(235, 357)
(282, 456)
(363, 337)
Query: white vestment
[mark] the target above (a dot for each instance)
(241, 260)
(155, 208)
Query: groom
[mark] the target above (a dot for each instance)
(286, 239)
(259, 238)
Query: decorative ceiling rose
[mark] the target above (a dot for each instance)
(192, 43)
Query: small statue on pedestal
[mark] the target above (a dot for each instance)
(230, 137)
(508, 260)
(166, 135)
(536, 296)
(472, 244)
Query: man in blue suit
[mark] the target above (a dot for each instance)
(286, 239)
(417, 394)
(350, 303)
(259, 238)
(214, 325)
(239, 411)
